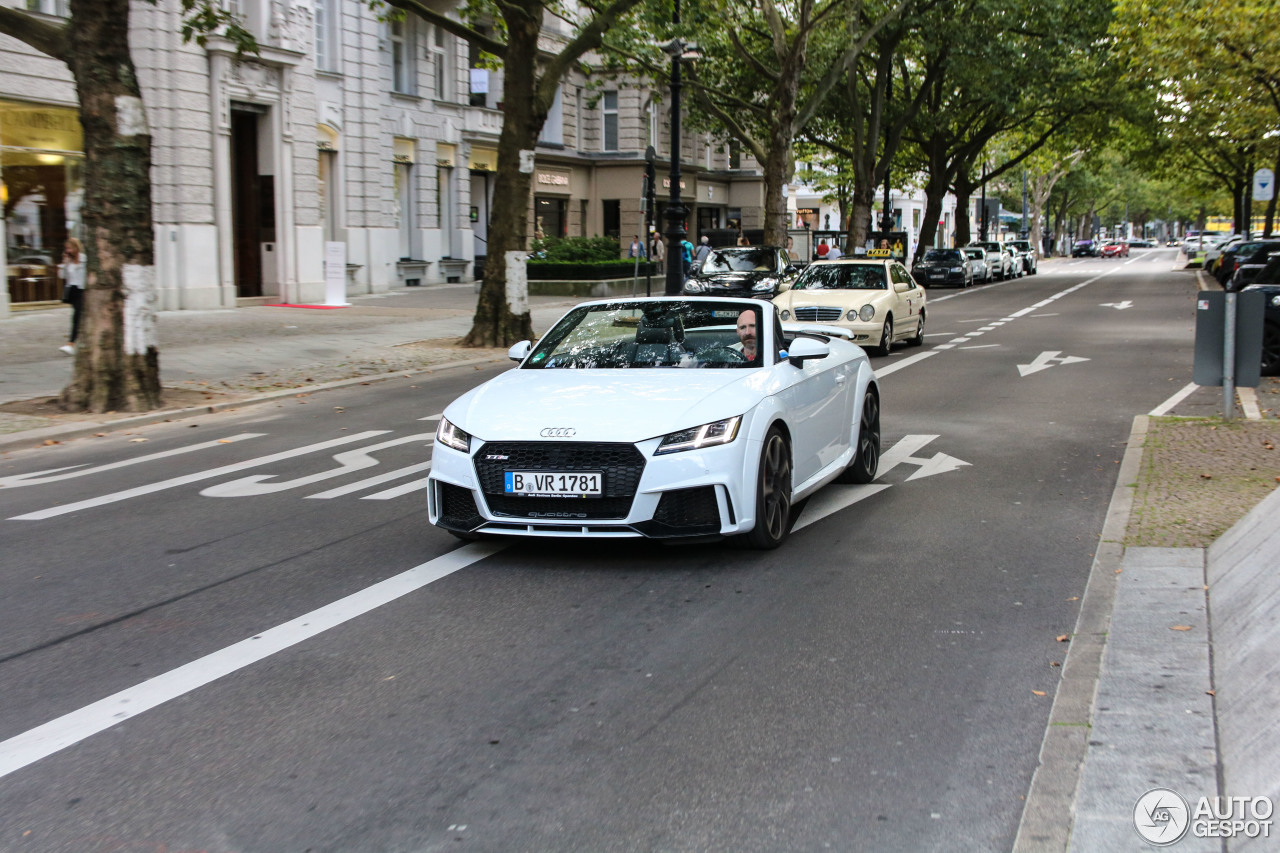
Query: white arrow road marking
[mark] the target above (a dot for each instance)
(1045, 360)
(51, 475)
(348, 461)
(195, 478)
(904, 451)
(432, 417)
(29, 747)
(397, 491)
(1119, 306)
(833, 498)
(361, 485)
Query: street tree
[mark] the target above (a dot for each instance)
(534, 65)
(117, 365)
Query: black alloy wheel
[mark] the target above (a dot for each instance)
(774, 515)
(866, 461)
(886, 338)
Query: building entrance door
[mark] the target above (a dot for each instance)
(252, 201)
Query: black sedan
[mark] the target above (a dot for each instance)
(1268, 281)
(1085, 249)
(751, 271)
(943, 266)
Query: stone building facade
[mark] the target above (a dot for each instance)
(374, 138)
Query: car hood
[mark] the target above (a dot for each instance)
(623, 404)
(843, 298)
(733, 279)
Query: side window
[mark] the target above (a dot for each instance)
(902, 281)
(780, 341)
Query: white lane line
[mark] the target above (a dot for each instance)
(945, 346)
(959, 340)
(833, 498)
(906, 362)
(402, 489)
(51, 475)
(981, 346)
(193, 478)
(432, 417)
(1167, 405)
(29, 747)
(361, 485)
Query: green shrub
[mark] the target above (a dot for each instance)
(576, 249)
(546, 270)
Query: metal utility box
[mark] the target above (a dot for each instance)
(1210, 336)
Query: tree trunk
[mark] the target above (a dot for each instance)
(859, 224)
(117, 365)
(1269, 228)
(964, 199)
(776, 174)
(496, 323)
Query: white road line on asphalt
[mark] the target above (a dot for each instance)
(833, 498)
(981, 346)
(361, 485)
(432, 417)
(51, 475)
(402, 489)
(1168, 405)
(52, 512)
(348, 462)
(906, 362)
(944, 346)
(29, 747)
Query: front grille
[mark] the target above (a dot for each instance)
(458, 508)
(620, 464)
(818, 314)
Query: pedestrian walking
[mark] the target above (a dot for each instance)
(834, 253)
(637, 248)
(704, 249)
(686, 257)
(71, 271)
(658, 251)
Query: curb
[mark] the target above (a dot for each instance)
(1048, 817)
(83, 428)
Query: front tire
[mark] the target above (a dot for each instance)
(866, 460)
(886, 338)
(774, 514)
(917, 339)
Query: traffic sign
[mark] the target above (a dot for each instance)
(1264, 185)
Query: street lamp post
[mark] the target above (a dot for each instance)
(676, 212)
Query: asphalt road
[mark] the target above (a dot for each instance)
(872, 685)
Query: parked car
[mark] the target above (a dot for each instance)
(1115, 250)
(1247, 263)
(608, 429)
(1217, 249)
(1085, 249)
(752, 271)
(1026, 254)
(982, 271)
(1268, 281)
(943, 266)
(999, 258)
(1142, 244)
(875, 299)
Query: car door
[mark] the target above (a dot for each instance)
(908, 299)
(819, 408)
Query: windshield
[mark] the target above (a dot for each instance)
(837, 276)
(976, 254)
(701, 333)
(741, 260)
(941, 256)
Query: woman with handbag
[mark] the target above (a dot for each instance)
(71, 270)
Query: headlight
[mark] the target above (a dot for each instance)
(696, 438)
(957, 269)
(450, 436)
(867, 313)
(692, 287)
(765, 284)
(1275, 300)
(785, 314)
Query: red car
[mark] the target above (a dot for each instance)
(1115, 250)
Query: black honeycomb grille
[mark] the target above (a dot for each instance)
(620, 464)
(458, 508)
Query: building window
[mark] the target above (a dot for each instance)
(326, 35)
(444, 205)
(579, 113)
(651, 123)
(609, 121)
(406, 196)
(611, 208)
(440, 63)
(550, 217)
(735, 154)
(49, 7)
(402, 44)
(479, 76)
(553, 128)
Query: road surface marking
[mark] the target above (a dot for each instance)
(906, 362)
(348, 461)
(1167, 406)
(403, 489)
(1119, 306)
(981, 346)
(361, 485)
(29, 747)
(51, 475)
(904, 450)
(52, 512)
(1046, 360)
(833, 498)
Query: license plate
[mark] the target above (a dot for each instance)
(558, 484)
(936, 274)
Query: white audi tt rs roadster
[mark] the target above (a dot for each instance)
(662, 418)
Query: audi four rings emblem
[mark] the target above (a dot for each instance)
(558, 432)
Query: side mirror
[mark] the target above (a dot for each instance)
(806, 349)
(784, 286)
(519, 351)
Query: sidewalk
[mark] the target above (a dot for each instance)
(220, 358)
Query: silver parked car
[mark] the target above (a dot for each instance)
(978, 263)
(999, 258)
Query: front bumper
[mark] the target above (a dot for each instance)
(697, 493)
